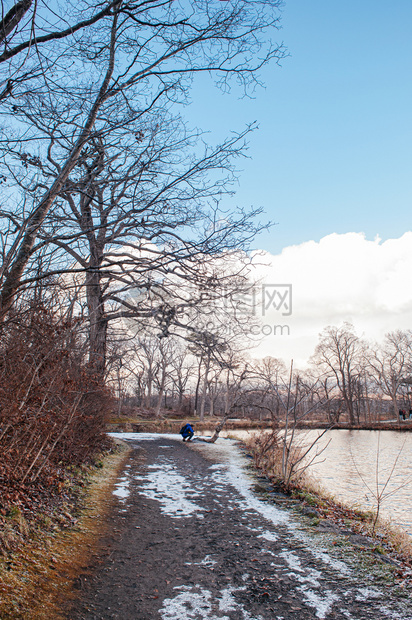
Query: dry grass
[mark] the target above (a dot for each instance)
(395, 540)
(38, 576)
(174, 423)
(387, 537)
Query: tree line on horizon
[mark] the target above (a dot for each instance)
(348, 379)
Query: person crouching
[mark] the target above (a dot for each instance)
(187, 432)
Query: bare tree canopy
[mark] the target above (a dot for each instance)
(92, 70)
(391, 364)
(339, 353)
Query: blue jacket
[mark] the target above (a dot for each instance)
(186, 430)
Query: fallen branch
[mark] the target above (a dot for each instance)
(216, 433)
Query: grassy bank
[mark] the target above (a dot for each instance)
(132, 424)
(383, 542)
(45, 555)
(172, 424)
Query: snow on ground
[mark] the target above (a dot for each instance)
(196, 603)
(177, 493)
(122, 490)
(230, 471)
(172, 490)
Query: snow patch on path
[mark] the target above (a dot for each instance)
(269, 536)
(146, 436)
(236, 476)
(196, 603)
(174, 492)
(322, 603)
(122, 490)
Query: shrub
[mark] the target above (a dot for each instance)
(52, 409)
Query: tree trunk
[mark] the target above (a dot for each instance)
(349, 407)
(13, 17)
(149, 389)
(217, 431)
(395, 405)
(199, 376)
(204, 391)
(160, 396)
(97, 323)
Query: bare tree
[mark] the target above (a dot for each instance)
(182, 371)
(130, 219)
(338, 352)
(208, 348)
(235, 370)
(121, 60)
(281, 451)
(325, 391)
(268, 376)
(391, 363)
(163, 370)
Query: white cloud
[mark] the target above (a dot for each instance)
(343, 277)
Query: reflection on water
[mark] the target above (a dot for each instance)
(357, 465)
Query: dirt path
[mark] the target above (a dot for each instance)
(190, 541)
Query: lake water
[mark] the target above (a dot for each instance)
(356, 465)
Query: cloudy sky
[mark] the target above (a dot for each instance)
(332, 166)
(342, 277)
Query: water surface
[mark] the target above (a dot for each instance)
(357, 466)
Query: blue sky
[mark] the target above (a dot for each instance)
(333, 152)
